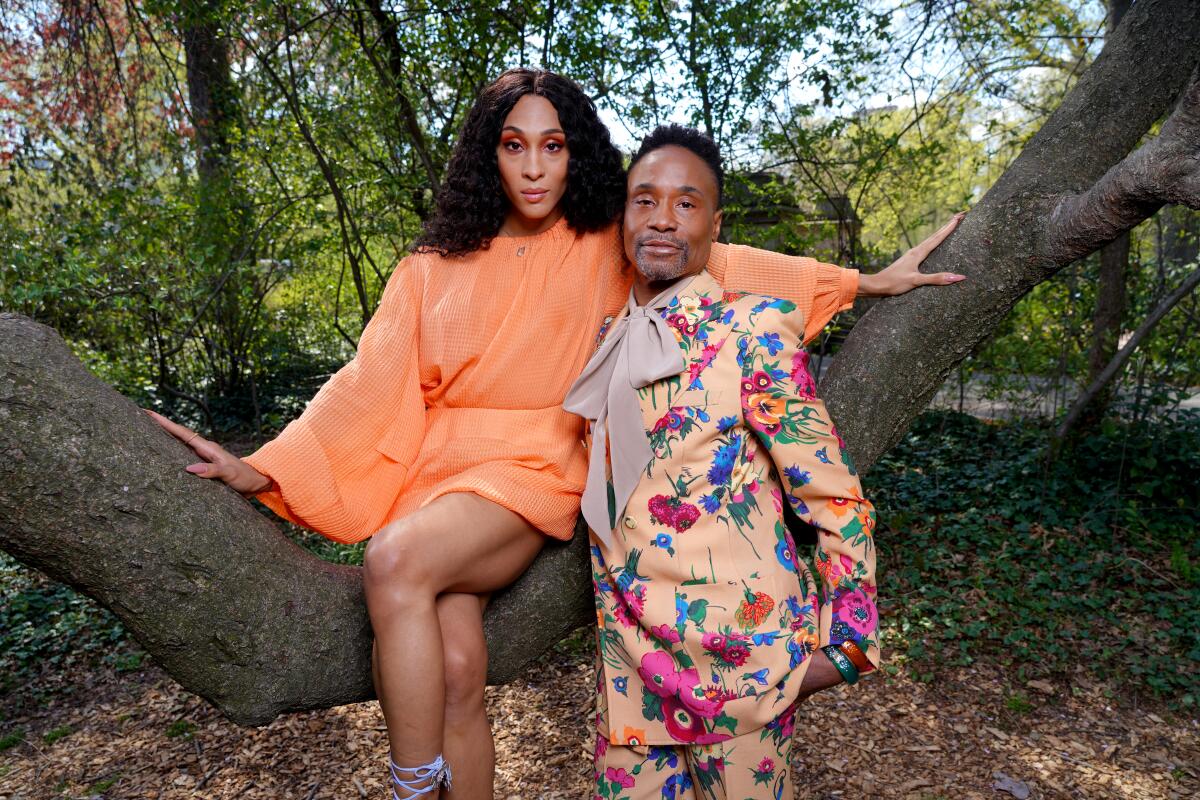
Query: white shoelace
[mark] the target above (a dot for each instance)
(436, 772)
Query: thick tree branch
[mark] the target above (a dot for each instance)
(1114, 366)
(1164, 170)
(94, 494)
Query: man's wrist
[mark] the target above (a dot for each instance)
(842, 663)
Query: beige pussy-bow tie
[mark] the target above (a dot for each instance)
(640, 349)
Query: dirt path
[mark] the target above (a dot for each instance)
(139, 736)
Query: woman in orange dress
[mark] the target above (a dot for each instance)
(444, 439)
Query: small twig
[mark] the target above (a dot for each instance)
(212, 771)
(1152, 569)
(1066, 757)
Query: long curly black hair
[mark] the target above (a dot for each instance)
(471, 204)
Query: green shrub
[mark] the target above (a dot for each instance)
(62, 732)
(987, 549)
(44, 623)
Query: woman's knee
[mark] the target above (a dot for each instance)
(465, 665)
(398, 562)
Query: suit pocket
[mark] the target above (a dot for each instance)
(733, 623)
(705, 609)
(701, 398)
(712, 420)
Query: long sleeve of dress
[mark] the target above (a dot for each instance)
(818, 478)
(819, 290)
(339, 466)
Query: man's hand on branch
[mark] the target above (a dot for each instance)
(218, 462)
(904, 275)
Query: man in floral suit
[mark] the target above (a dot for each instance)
(704, 425)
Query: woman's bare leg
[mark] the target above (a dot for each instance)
(467, 737)
(467, 740)
(458, 543)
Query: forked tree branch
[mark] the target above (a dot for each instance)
(1164, 170)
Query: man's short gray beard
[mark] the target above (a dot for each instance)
(657, 271)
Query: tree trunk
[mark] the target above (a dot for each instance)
(212, 94)
(223, 216)
(1109, 310)
(1106, 323)
(95, 494)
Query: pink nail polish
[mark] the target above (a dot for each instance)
(195, 469)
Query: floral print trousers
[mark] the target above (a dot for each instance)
(753, 766)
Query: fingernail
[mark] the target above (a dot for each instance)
(195, 469)
(956, 278)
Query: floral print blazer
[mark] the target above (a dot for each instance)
(707, 614)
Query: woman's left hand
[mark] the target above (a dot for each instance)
(903, 275)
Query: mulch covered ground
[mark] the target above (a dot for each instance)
(137, 735)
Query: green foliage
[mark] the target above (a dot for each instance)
(45, 624)
(180, 727)
(61, 732)
(326, 549)
(128, 662)
(101, 786)
(11, 740)
(1018, 703)
(990, 552)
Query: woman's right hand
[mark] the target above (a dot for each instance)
(218, 462)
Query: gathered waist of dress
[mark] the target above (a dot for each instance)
(513, 413)
(449, 422)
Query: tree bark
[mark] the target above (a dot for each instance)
(223, 212)
(95, 495)
(1109, 311)
(1107, 317)
(212, 94)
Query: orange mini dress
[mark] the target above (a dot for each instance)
(459, 378)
